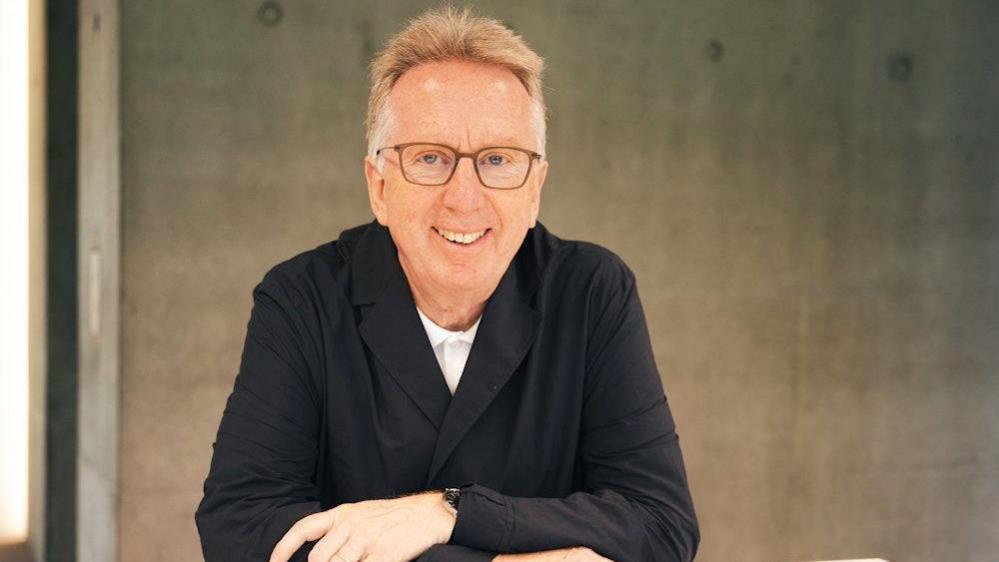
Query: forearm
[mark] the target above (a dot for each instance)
(261, 478)
(243, 513)
(604, 521)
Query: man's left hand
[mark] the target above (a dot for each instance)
(394, 530)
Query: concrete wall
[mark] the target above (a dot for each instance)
(807, 192)
(98, 493)
(37, 281)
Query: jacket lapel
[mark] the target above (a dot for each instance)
(508, 328)
(391, 327)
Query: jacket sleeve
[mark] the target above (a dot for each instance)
(261, 479)
(634, 503)
(455, 553)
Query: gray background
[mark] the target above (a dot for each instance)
(806, 190)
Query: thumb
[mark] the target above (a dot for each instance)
(310, 528)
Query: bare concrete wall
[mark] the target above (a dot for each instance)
(98, 491)
(806, 190)
(37, 282)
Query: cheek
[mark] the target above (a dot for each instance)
(516, 212)
(410, 210)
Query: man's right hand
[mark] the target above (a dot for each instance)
(577, 554)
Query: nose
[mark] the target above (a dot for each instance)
(464, 193)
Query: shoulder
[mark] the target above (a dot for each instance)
(581, 266)
(312, 273)
(585, 290)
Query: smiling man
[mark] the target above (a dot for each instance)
(450, 381)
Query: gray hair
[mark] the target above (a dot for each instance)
(447, 34)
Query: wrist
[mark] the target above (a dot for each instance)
(444, 515)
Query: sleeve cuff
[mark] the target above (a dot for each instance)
(485, 519)
(279, 524)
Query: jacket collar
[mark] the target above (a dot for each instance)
(391, 328)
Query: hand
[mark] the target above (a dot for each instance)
(577, 554)
(395, 530)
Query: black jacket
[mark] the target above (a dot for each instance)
(559, 432)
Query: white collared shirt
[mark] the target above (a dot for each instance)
(451, 348)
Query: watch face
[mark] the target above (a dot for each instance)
(451, 496)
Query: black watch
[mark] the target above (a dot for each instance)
(451, 498)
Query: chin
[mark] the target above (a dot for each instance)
(462, 278)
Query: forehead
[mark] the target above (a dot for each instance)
(461, 103)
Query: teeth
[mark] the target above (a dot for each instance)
(466, 238)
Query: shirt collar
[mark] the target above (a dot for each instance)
(437, 334)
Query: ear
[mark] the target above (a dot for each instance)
(541, 172)
(376, 190)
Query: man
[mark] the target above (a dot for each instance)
(450, 381)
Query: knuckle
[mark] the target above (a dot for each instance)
(375, 552)
(353, 550)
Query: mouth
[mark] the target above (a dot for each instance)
(461, 238)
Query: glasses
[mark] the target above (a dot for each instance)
(498, 167)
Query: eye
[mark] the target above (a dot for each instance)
(430, 158)
(495, 159)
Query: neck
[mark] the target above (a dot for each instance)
(449, 309)
(452, 315)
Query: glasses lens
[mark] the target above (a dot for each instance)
(503, 168)
(427, 164)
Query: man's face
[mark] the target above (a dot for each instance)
(467, 106)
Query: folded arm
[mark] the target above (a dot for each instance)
(260, 483)
(635, 503)
(260, 480)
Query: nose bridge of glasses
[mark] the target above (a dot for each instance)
(459, 156)
(464, 191)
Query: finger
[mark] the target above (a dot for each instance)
(325, 549)
(306, 529)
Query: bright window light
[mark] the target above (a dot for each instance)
(14, 278)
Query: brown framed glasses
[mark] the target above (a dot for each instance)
(498, 167)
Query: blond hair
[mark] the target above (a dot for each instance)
(448, 34)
